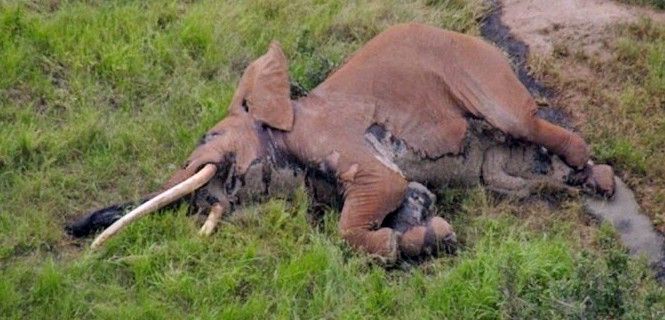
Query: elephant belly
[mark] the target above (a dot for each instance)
(463, 169)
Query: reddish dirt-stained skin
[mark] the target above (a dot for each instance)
(420, 85)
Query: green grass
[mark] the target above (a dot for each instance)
(100, 101)
(270, 262)
(660, 4)
(639, 65)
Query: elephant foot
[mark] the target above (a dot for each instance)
(381, 245)
(436, 236)
(600, 181)
(388, 256)
(594, 179)
(420, 233)
(441, 237)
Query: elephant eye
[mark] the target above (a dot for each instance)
(244, 105)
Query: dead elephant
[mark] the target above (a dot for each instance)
(417, 106)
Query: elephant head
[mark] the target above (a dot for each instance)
(260, 105)
(261, 100)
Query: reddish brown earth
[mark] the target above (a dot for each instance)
(542, 24)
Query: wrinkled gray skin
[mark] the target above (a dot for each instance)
(490, 158)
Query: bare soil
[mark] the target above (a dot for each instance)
(543, 24)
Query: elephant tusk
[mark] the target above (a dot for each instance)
(159, 201)
(215, 215)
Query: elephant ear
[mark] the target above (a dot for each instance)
(268, 99)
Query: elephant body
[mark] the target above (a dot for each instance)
(416, 108)
(488, 157)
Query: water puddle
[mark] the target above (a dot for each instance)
(635, 229)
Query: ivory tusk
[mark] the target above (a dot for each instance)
(215, 215)
(159, 201)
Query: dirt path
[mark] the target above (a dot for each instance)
(544, 23)
(536, 27)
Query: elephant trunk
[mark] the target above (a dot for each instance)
(159, 201)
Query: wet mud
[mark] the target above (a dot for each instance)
(635, 229)
(494, 30)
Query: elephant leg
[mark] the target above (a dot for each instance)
(497, 179)
(562, 142)
(599, 179)
(381, 244)
(420, 233)
(368, 198)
